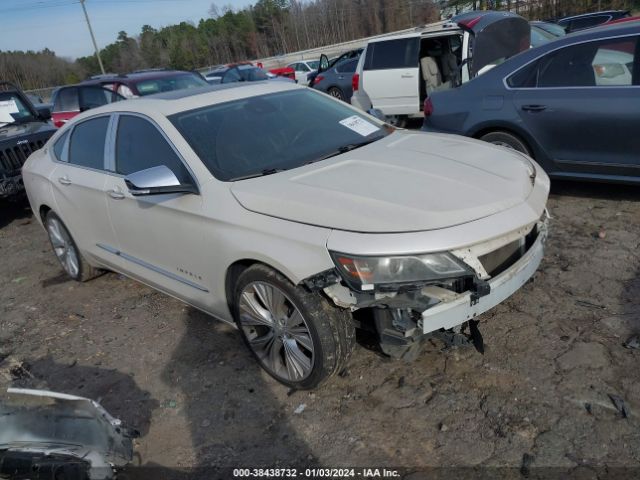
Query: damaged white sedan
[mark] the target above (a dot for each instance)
(295, 216)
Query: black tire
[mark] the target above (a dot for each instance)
(399, 121)
(330, 329)
(335, 92)
(84, 271)
(507, 140)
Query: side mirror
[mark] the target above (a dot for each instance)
(44, 111)
(324, 63)
(156, 181)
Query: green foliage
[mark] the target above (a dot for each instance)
(266, 28)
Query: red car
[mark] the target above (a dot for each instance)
(286, 72)
(67, 102)
(102, 89)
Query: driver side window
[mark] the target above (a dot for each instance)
(139, 146)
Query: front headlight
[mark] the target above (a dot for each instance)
(365, 273)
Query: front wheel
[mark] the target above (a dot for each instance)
(296, 335)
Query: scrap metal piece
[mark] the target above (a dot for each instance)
(57, 432)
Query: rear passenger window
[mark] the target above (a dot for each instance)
(400, 53)
(87, 143)
(58, 147)
(347, 67)
(66, 100)
(591, 64)
(140, 146)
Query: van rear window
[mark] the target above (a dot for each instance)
(388, 54)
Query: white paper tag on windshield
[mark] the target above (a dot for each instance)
(359, 125)
(7, 107)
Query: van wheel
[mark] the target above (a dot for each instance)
(66, 250)
(506, 140)
(296, 336)
(399, 121)
(335, 92)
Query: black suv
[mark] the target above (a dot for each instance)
(23, 130)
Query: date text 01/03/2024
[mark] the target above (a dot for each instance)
(313, 473)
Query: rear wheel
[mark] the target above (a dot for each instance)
(296, 335)
(335, 92)
(67, 251)
(399, 121)
(507, 140)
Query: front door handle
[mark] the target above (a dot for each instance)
(116, 194)
(534, 108)
(406, 75)
(64, 180)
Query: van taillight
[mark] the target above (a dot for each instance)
(355, 80)
(428, 107)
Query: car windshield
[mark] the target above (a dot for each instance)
(313, 64)
(13, 109)
(552, 28)
(249, 73)
(169, 83)
(540, 37)
(265, 134)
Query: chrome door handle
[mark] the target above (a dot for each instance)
(406, 75)
(64, 180)
(116, 194)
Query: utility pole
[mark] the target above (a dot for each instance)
(93, 38)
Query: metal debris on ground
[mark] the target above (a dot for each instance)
(620, 405)
(60, 436)
(632, 342)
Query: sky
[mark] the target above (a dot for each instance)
(60, 25)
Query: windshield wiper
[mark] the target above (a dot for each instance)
(347, 148)
(265, 172)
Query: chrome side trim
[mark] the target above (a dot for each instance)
(109, 144)
(151, 267)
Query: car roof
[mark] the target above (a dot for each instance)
(443, 26)
(175, 101)
(592, 14)
(139, 75)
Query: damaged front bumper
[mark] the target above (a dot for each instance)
(403, 317)
(454, 309)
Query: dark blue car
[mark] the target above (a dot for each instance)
(572, 104)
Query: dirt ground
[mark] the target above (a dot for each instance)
(538, 397)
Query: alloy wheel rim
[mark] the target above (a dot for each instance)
(276, 331)
(335, 93)
(63, 247)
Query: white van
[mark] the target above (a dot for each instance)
(395, 74)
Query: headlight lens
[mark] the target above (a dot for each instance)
(366, 272)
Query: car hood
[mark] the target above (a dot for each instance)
(15, 131)
(402, 183)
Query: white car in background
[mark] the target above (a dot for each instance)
(397, 73)
(284, 211)
(302, 70)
